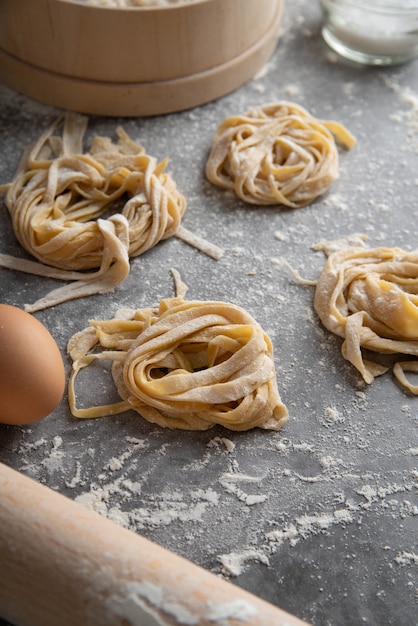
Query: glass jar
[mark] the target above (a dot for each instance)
(372, 32)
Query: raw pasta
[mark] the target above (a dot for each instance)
(63, 205)
(186, 364)
(276, 154)
(370, 298)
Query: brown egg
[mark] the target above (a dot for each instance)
(32, 375)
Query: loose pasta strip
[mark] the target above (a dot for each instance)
(186, 365)
(276, 154)
(369, 297)
(83, 215)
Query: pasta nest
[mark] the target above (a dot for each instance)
(64, 210)
(276, 154)
(187, 365)
(59, 194)
(370, 298)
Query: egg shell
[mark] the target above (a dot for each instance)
(32, 373)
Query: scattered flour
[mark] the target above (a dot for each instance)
(406, 558)
(230, 481)
(409, 115)
(233, 564)
(332, 415)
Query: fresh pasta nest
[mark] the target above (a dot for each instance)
(79, 211)
(276, 154)
(187, 365)
(370, 298)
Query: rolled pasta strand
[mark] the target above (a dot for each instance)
(65, 212)
(276, 154)
(369, 297)
(186, 365)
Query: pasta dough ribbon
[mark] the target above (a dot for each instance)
(276, 154)
(187, 365)
(369, 297)
(61, 198)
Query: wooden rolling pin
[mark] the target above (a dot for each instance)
(62, 564)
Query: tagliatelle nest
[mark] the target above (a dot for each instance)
(276, 154)
(65, 212)
(370, 298)
(186, 364)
